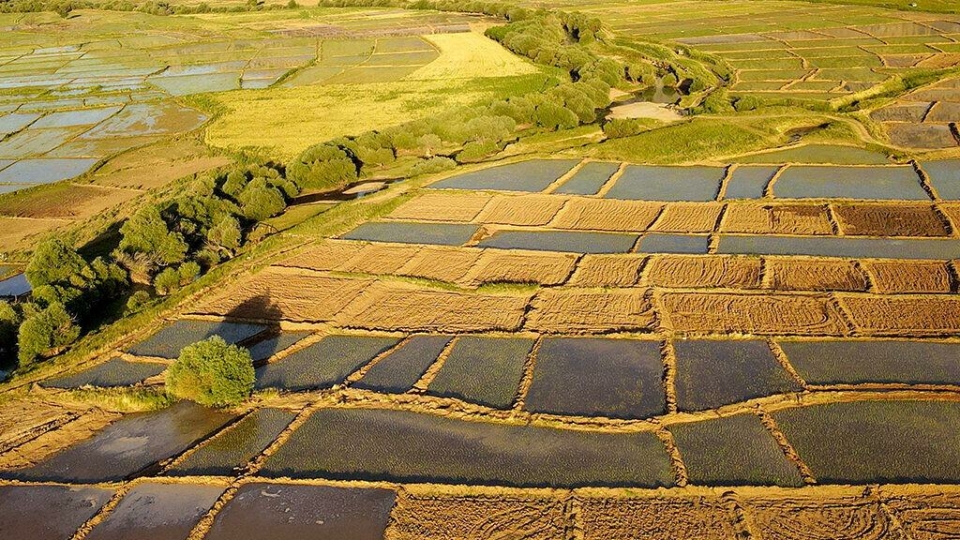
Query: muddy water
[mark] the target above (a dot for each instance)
(168, 342)
(589, 179)
(115, 372)
(574, 242)
(128, 447)
(157, 512)
(886, 183)
(853, 362)
(322, 364)
(860, 248)
(47, 512)
(648, 183)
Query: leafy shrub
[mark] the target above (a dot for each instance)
(432, 165)
(46, 333)
(627, 127)
(324, 166)
(9, 321)
(212, 373)
(669, 80)
(137, 301)
(553, 116)
(167, 281)
(259, 200)
(147, 232)
(477, 150)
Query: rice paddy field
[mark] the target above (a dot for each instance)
(745, 325)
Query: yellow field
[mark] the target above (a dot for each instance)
(470, 56)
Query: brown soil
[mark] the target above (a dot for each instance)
(703, 271)
(656, 518)
(775, 218)
(608, 271)
(590, 311)
(55, 440)
(443, 207)
(898, 316)
(890, 220)
(767, 314)
(688, 217)
(19, 232)
(928, 517)
(508, 266)
(156, 165)
(944, 112)
(380, 259)
(22, 420)
(920, 135)
(290, 294)
(65, 201)
(325, 256)
(607, 215)
(794, 274)
(521, 210)
(849, 518)
(441, 263)
(909, 276)
(402, 306)
(902, 112)
(952, 212)
(476, 518)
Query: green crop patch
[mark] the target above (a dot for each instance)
(112, 373)
(234, 448)
(713, 373)
(819, 153)
(374, 444)
(169, 340)
(403, 367)
(858, 362)
(162, 511)
(873, 442)
(617, 378)
(484, 370)
(733, 450)
(322, 364)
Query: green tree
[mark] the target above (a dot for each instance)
(9, 321)
(260, 200)
(46, 333)
(212, 373)
(324, 166)
(147, 232)
(55, 263)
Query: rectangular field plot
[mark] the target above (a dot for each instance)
(705, 271)
(44, 171)
(373, 444)
(767, 314)
(749, 182)
(858, 362)
(48, 512)
(483, 370)
(617, 378)
(734, 451)
(273, 511)
(659, 517)
(403, 367)
(446, 234)
(711, 373)
(673, 243)
(127, 447)
(819, 153)
(158, 512)
(608, 215)
(533, 175)
(589, 179)
(888, 183)
(668, 183)
(590, 311)
(867, 248)
(900, 277)
(263, 350)
(440, 206)
(236, 446)
(572, 242)
(169, 340)
(457, 517)
(115, 372)
(322, 364)
(83, 117)
(889, 220)
(944, 177)
(14, 122)
(877, 441)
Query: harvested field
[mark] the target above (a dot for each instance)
(608, 271)
(322, 364)
(483, 370)
(590, 311)
(893, 183)
(128, 447)
(711, 374)
(752, 314)
(376, 444)
(589, 179)
(442, 207)
(526, 210)
(668, 183)
(776, 218)
(169, 340)
(888, 220)
(48, 512)
(877, 441)
(858, 362)
(279, 293)
(928, 516)
(665, 517)
(476, 517)
(447, 234)
(325, 256)
(897, 277)
(796, 274)
(262, 511)
(688, 217)
(573, 242)
(616, 378)
(733, 450)
(379, 259)
(500, 266)
(838, 518)
(398, 306)
(158, 512)
(607, 215)
(441, 263)
(898, 316)
(64, 201)
(703, 271)
(403, 367)
(17, 232)
(532, 175)
(673, 243)
(113, 373)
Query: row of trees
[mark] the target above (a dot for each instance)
(153, 7)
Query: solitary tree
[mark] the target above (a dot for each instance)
(212, 373)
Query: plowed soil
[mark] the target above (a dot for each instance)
(771, 218)
(442, 207)
(702, 271)
(656, 518)
(589, 311)
(889, 220)
(917, 316)
(909, 276)
(752, 314)
(522, 210)
(441, 263)
(379, 259)
(476, 518)
(608, 271)
(507, 266)
(849, 518)
(607, 215)
(793, 274)
(688, 217)
(928, 517)
(326, 255)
